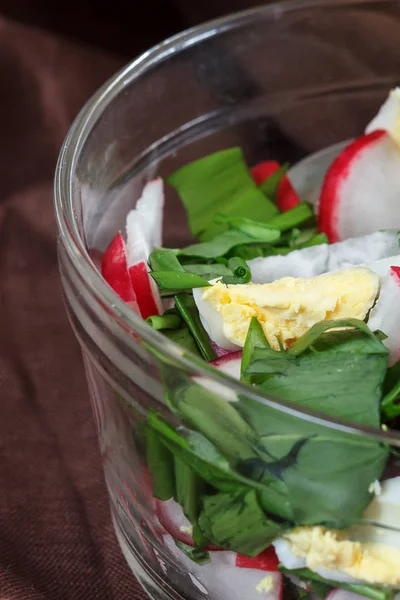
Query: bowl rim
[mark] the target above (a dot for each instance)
(74, 245)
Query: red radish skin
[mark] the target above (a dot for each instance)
(384, 316)
(142, 285)
(114, 269)
(217, 349)
(287, 197)
(338, 191)
(263, 170)
(265, 561)
(229, 363)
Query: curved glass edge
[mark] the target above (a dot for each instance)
(75, 247)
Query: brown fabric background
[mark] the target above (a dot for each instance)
(56, 539)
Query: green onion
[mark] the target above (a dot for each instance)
(160, 464)
(240, 269)
(189, 488)
(220, 182)
(357, 588)
(169, 320)
(172, 282)
(212, 271)
(390, 406)
(188, 309)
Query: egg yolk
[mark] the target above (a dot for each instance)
(370, 562)
(288, 307)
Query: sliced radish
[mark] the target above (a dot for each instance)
(229, 364)
(171, 517)
(385, 315)
(361, 190)
(115, 271)
(146, 290)
(265, 561)
(316, 260)
(221, 579)
(287, 197)
(217, 349)
(388, 117)
(144, 232)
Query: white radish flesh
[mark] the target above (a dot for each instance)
(144, 223)
(361, 189)
(229, 364)
(388, 117)
(385, 315)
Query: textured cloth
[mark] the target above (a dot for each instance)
(56, 537)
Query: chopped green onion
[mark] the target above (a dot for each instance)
(173, 281)
(197, 555)
(220, 182)
(209, 271)
(169, 320)
(188, 309)
(160, 464)
(241, 271)
(390, 406)
(357, 588)
(189, 488)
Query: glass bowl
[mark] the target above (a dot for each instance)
(291, 82)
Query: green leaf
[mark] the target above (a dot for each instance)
(189, 488)
(253, 229)
(241, 272)
(366, 342)
(188, 309)
(197, 555)
(294, 217)
(161, 259)
(237, 522)
(222, 243)
(270, 186)
(255, 339)
(328, 482)
(184, 338)
(174, 281)
(171, 319)
(215, 418)
(390, 406)
(160, 465)
(369, 591)
(220, 182)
